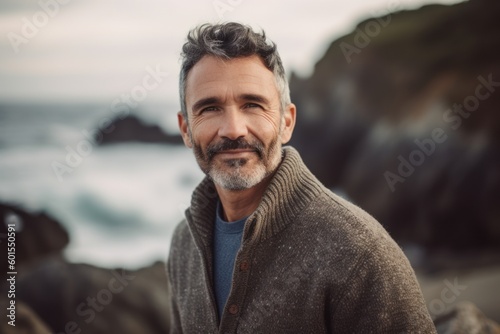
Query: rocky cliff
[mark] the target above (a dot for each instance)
(402, 116)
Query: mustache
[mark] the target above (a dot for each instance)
(229, 144)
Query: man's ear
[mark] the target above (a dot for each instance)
(184, 128)
(288, 124)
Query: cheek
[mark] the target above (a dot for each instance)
(266, 126)
(203, 131)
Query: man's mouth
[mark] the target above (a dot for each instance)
(236, 152)
(234, 149)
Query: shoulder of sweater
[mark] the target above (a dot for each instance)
(181, 231)
(181, 237)
(352, 235)
(337, 216)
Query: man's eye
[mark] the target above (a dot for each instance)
(209, 109)
(252, 105)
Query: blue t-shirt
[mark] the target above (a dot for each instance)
(227, 242)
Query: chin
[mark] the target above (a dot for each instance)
(238, 178)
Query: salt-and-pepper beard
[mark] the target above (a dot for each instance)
(235, 178)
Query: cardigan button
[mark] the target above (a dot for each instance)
(233, 309)
(244, 265)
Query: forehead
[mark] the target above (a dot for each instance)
(215, 77)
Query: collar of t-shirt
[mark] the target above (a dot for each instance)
(228, 227)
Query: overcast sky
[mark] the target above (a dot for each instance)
(95, 50)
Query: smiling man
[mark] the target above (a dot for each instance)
(265, 248)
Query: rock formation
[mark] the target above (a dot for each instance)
(401, 115)
(70, 296)
(465, 318)
(132, 129)
(37, 235)
(52, 294)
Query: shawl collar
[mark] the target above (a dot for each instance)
(290, 191)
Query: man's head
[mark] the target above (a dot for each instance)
(228, 41)
(236, 111)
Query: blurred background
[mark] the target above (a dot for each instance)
(397, 111)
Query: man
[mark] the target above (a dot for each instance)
(265, 248)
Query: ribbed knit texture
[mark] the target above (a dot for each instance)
(310, 262)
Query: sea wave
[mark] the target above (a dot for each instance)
(120, 204)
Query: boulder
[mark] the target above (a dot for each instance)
(36, 235)
(465, 318)
(27, 322)
(70, 296)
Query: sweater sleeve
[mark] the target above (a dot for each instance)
(382, 296)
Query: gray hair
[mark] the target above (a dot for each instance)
(227, 41)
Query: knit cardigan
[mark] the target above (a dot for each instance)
(310, 262)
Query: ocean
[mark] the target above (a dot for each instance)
(119, 203)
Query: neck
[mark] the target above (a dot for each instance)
(238, 204)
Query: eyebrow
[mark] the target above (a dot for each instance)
(254, 98)
(204, 102)
(214, 100)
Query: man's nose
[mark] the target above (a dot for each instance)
(233, 124)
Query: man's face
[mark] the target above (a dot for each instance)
(235, 125)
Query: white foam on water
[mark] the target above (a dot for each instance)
(120, 205)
